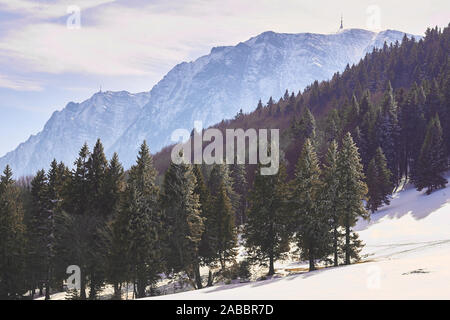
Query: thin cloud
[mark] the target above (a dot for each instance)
(46, 9)
(19, 84)
(147, 38)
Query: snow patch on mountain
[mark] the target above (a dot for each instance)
(209, 89)
(230, 78)
(106, 115)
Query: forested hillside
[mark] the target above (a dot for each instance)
(401, 83)
(353, 138)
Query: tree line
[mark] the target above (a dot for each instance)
(126, 227)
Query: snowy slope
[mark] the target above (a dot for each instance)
(106, 115)
(216, 86)
(407, 256)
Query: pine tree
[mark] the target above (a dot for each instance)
(266, 234)
(58, 177)
(205, 254)
(12, 239)
(78, 187)
(221, 219)
(332, 126)
(329, 199)
(388, 132)
(306, 127)
(434, 104)
(183, 222)
(367, 139)
(117, 227)
(40, 231)
(143, 222)
(207, 246)
(119, 270)
(226, 233)
(432, 162)
(115, 185)
(311, 225)
(365, 105)
(81, 224)
(240, 187)
(413, 127)
(259, 107)
(379, 182)
(352, 192)
(220, 174)
(353, 113)
(97, 166)
(144, 247)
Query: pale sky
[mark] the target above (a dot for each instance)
(46, 60)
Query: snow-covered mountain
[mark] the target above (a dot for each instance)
(216, 86)
(211, 88)
(106, 115)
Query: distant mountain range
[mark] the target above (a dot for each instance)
(211, 88)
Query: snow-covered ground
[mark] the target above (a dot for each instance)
(407, 256)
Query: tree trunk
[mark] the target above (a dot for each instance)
(335, 246)
(222, 261)
(198, 278)
(92, 291)
(210, 279)
(140, 289)
(116, 291)
(271, 266)
(347, 243)
(47, 290)
(82, 288)
(312, 267)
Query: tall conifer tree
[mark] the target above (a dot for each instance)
(143, 222)
(311, 225)
(12, 239)
(184, 224)
(329, 199)
(352, 192)
(266, 231)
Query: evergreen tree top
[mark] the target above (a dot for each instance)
(308, 163)
(6, 178)
(355, 105)
(434, 131)
(389, 104)
(331, 156)
(143, 174)
(115, 163)
(84, 152)
(97, 160)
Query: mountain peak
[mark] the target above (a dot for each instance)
(209, 89)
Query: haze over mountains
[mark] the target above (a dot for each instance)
(211, 88)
